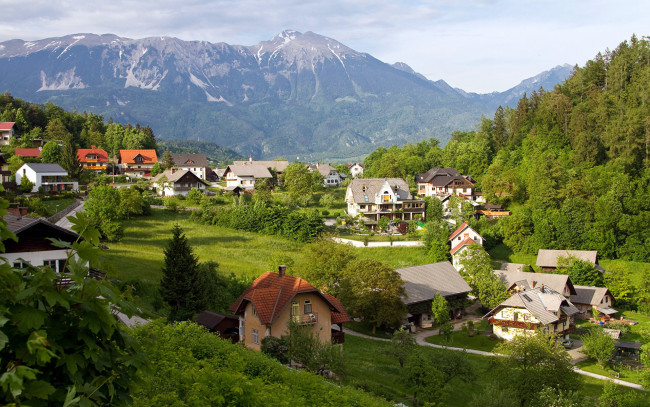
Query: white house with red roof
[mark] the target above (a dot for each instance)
(138, 163)
(460, 238)
(6, 132)
(93, 159)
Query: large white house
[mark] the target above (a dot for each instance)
(33, 245)
(245, 175)
(6, 132)
(46, 175)
(373, 198)
(196, 163)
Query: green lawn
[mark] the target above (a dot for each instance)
(460, 339)
(504, 253)
(632, 376)
(56, 205)
(369, 367)
(366, 329)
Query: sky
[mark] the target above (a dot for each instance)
(476, 45)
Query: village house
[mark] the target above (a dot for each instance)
(93, 159)
(196, 163)
(443, 182)
(331, 176)
(356, 169)
(245, 175)
(422, 283)
(587, 299)
(33, 245)
(5, 174)
(547, 259)
(536, 308)
(460, 239)
(6, 132)
(137, 163)
(516, 281)
(276, 165)
(33, 152)
(273, 299)
(177, 182)
(46, 175)
(373, 198)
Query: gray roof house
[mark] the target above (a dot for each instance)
(520, 281)
(586, 298)
(526, 311)
(245, 175)
(547, 259)
(422, 283)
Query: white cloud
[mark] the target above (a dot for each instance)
(476, 45)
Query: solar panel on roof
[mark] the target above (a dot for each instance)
(527, 298)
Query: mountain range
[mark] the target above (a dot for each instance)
(298, 95)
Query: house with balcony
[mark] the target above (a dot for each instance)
(373, 198)
(444, 182)
(93, 159)
(51, 177)
(528, 311)
(177, 182)
(6, 132)
(331, 176)
(245, 175)
(137, 163)
(274, 299)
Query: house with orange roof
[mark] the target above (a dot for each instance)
(137, 163)
(274, 299)
(6, 132)
(460, 238)
(93, 159)
(28, 152)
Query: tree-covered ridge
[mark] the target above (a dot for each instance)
(221, 156)
(571, 163)
(51, 122)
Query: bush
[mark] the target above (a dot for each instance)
(327, 200)
(275, 348)
(325, 212)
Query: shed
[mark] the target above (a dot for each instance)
(226, 325)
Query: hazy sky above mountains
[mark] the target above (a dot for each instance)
(479, 46)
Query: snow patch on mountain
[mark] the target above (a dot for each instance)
(61, 81)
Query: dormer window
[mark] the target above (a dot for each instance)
(364, 188)
(138, 159)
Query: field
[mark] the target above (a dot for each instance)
(369, 367)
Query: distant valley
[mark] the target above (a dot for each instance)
(299, 95)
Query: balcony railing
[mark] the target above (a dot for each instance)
(306, 319)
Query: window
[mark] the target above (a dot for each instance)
(307, 306)
(255, 337)
(386, 197)
(516, 316)
(50, 263)
(295, 311)
(366, 197)
(504, 329)
(19, 265)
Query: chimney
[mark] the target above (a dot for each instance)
(93, 147)
(281, 270)
(250, 158)
(532, 284)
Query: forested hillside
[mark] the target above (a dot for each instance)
(571, 163)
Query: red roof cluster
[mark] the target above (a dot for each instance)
(270, 293)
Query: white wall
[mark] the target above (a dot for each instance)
(36, 258)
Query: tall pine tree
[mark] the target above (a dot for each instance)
(69, 159)
(181, 284)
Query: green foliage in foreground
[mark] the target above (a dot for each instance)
(193, 367)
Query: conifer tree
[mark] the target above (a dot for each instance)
(167, 160)
(69, 159)
(180, 286)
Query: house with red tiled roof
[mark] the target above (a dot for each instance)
(274, 299)
(28, 152)
(460, 238)
(137, 163)
(6, 132)
(93, 159)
